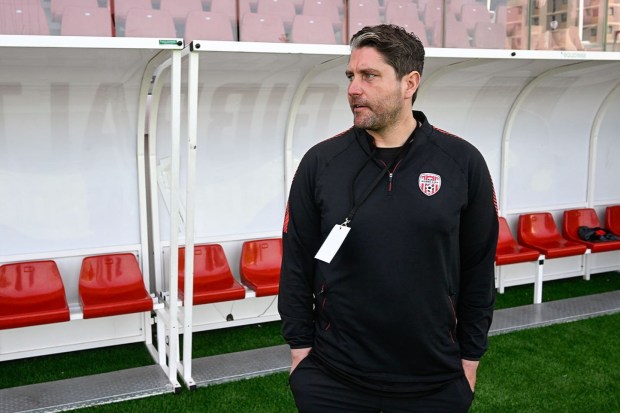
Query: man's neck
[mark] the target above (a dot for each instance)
(396, 136)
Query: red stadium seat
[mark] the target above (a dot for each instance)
(612, 219)
(204, 25)
(508, 250)
(416, 27)
(149, 23)
(315, 30)
(575, 218)
(401, 10)
(82, 21)
(357, 24)
(455, 6)
(122, 7)
(433, 14)
(31, 293)
(489, 36)
(327, 8)
(538, 231)
(284, 9)
(112, 284)
(260, 265)
(24, 18)
(456, 34)
(362, 13)
(58, 7)
(229, 8)
(433, 18)
(364, 9)
(179, 9)
(213, 280)
(262, 28)
(472, 14)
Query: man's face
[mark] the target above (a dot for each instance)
(376, 96)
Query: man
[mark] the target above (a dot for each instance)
(394, 313)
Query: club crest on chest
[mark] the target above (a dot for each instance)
(429, 183)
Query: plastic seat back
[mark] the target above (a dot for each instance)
(612, 219)
(179, 9)
(208, 26)
(364, 9)
(401, 10)
(149, 23)
(505, 238)
(537, 227)
(474, 13)
(260, 265)
(229, 8)
(24, 18)
(112, 284)
(489, 36)
(456, 34)
(539, 231)
(31, 293)
(455, 6)
(508, 250)
(416, 27)
(82, 21)
(57, 7)
(262, 28)
(327, 8)
(213, 280)
(358, 23)
(575, 218)
(433, 14)
(122, 7)
(314, 30)
(284, 9)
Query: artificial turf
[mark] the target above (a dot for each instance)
(567, 368)
(562, 368)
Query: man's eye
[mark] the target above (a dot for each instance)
(370, 75)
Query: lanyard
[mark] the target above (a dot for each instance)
(358, 203)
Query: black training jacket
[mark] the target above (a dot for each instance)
(411, 290)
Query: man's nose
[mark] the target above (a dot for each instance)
(354, 88)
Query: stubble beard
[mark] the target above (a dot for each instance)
(374, 121)
(381, 115)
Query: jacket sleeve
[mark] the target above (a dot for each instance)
(478, 242)
(301, 237)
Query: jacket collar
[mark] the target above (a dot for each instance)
(421, 134)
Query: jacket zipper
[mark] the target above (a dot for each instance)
(391, 174)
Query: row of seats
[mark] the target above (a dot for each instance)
(468, 23)
(537, 234)
(297, 21)
(259, 269)
(538, 237)
(33, 293)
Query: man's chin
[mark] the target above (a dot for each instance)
(361, 122)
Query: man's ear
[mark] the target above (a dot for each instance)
(411, 82)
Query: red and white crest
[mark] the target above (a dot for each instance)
(429, 183)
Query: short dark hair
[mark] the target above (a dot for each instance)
(402, 50)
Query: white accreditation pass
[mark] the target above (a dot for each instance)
(332, 243)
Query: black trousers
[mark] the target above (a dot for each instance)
(317, 392)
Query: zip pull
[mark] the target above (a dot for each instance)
(391, 175)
